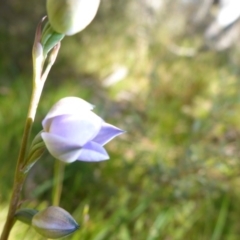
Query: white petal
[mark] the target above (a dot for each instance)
(84, 14)
(68, 105)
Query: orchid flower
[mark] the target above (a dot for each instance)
(71, 131)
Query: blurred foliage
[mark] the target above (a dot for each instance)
(175, 173)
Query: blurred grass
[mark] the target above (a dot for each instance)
(174, 174)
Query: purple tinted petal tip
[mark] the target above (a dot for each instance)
(107, 133)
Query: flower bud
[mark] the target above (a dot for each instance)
(54, 222)
(71, 16)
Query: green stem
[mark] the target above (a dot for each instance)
(59, 168)
(39, 79)
(19, 175)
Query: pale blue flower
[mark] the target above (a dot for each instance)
(71, 131)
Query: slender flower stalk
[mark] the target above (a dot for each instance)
(59, 168)
(19, 177)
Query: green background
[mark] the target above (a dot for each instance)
(174, 174)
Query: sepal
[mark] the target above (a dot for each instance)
(37, 53)
(50, 39)
(36, 150)
(25, 215)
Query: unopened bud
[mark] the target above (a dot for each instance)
(71, 16)
(54, 222)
